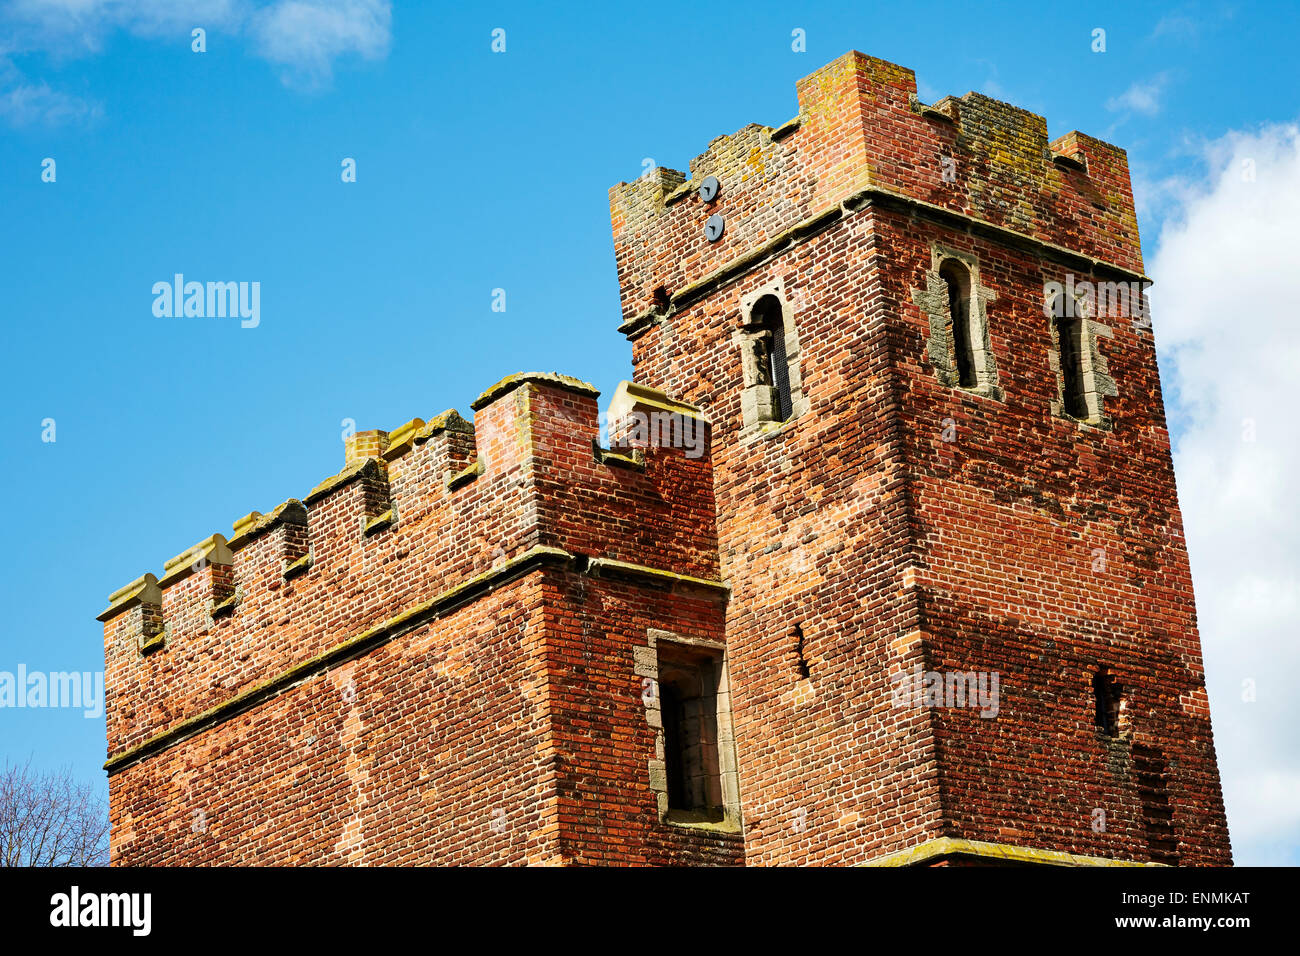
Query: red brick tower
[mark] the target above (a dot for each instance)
(940, 461)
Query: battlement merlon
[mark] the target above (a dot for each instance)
(862, 132)
(368, 453)
(415, 515)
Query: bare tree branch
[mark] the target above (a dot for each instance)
(49, 819)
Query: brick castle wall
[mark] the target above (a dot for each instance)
(442, 673)
(450, 651)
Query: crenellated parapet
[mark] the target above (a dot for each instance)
(414, 515)
(861, 134)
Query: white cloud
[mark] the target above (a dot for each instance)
(72, 27)
(302, 37)
(306, 36)
(1225, 322)
(1142, 97)
(1154, 198)
(26, 104)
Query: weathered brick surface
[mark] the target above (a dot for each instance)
(508, 729)
(1045, 550)
(606, 809)
(439, 654)
(903, 521)
(432, 747)
(858, 129)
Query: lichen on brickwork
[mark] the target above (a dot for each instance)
(1002, 164)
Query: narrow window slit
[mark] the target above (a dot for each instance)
(957, 279)
(1069, 333)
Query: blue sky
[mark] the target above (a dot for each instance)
(475, 171)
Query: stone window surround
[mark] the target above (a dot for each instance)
(939, 346)
(646, 666)
(1095, 374)
(754, 425)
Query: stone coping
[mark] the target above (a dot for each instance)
(994, 852)
(511, 382)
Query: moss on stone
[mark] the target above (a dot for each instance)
(349, 473)
(511, 382)
(465, 475)
(448, 421)
(143, 589)
(951, 846)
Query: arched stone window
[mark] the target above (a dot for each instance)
(1083, 380)
(768, 322)
(769, 358)
(955, 303)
